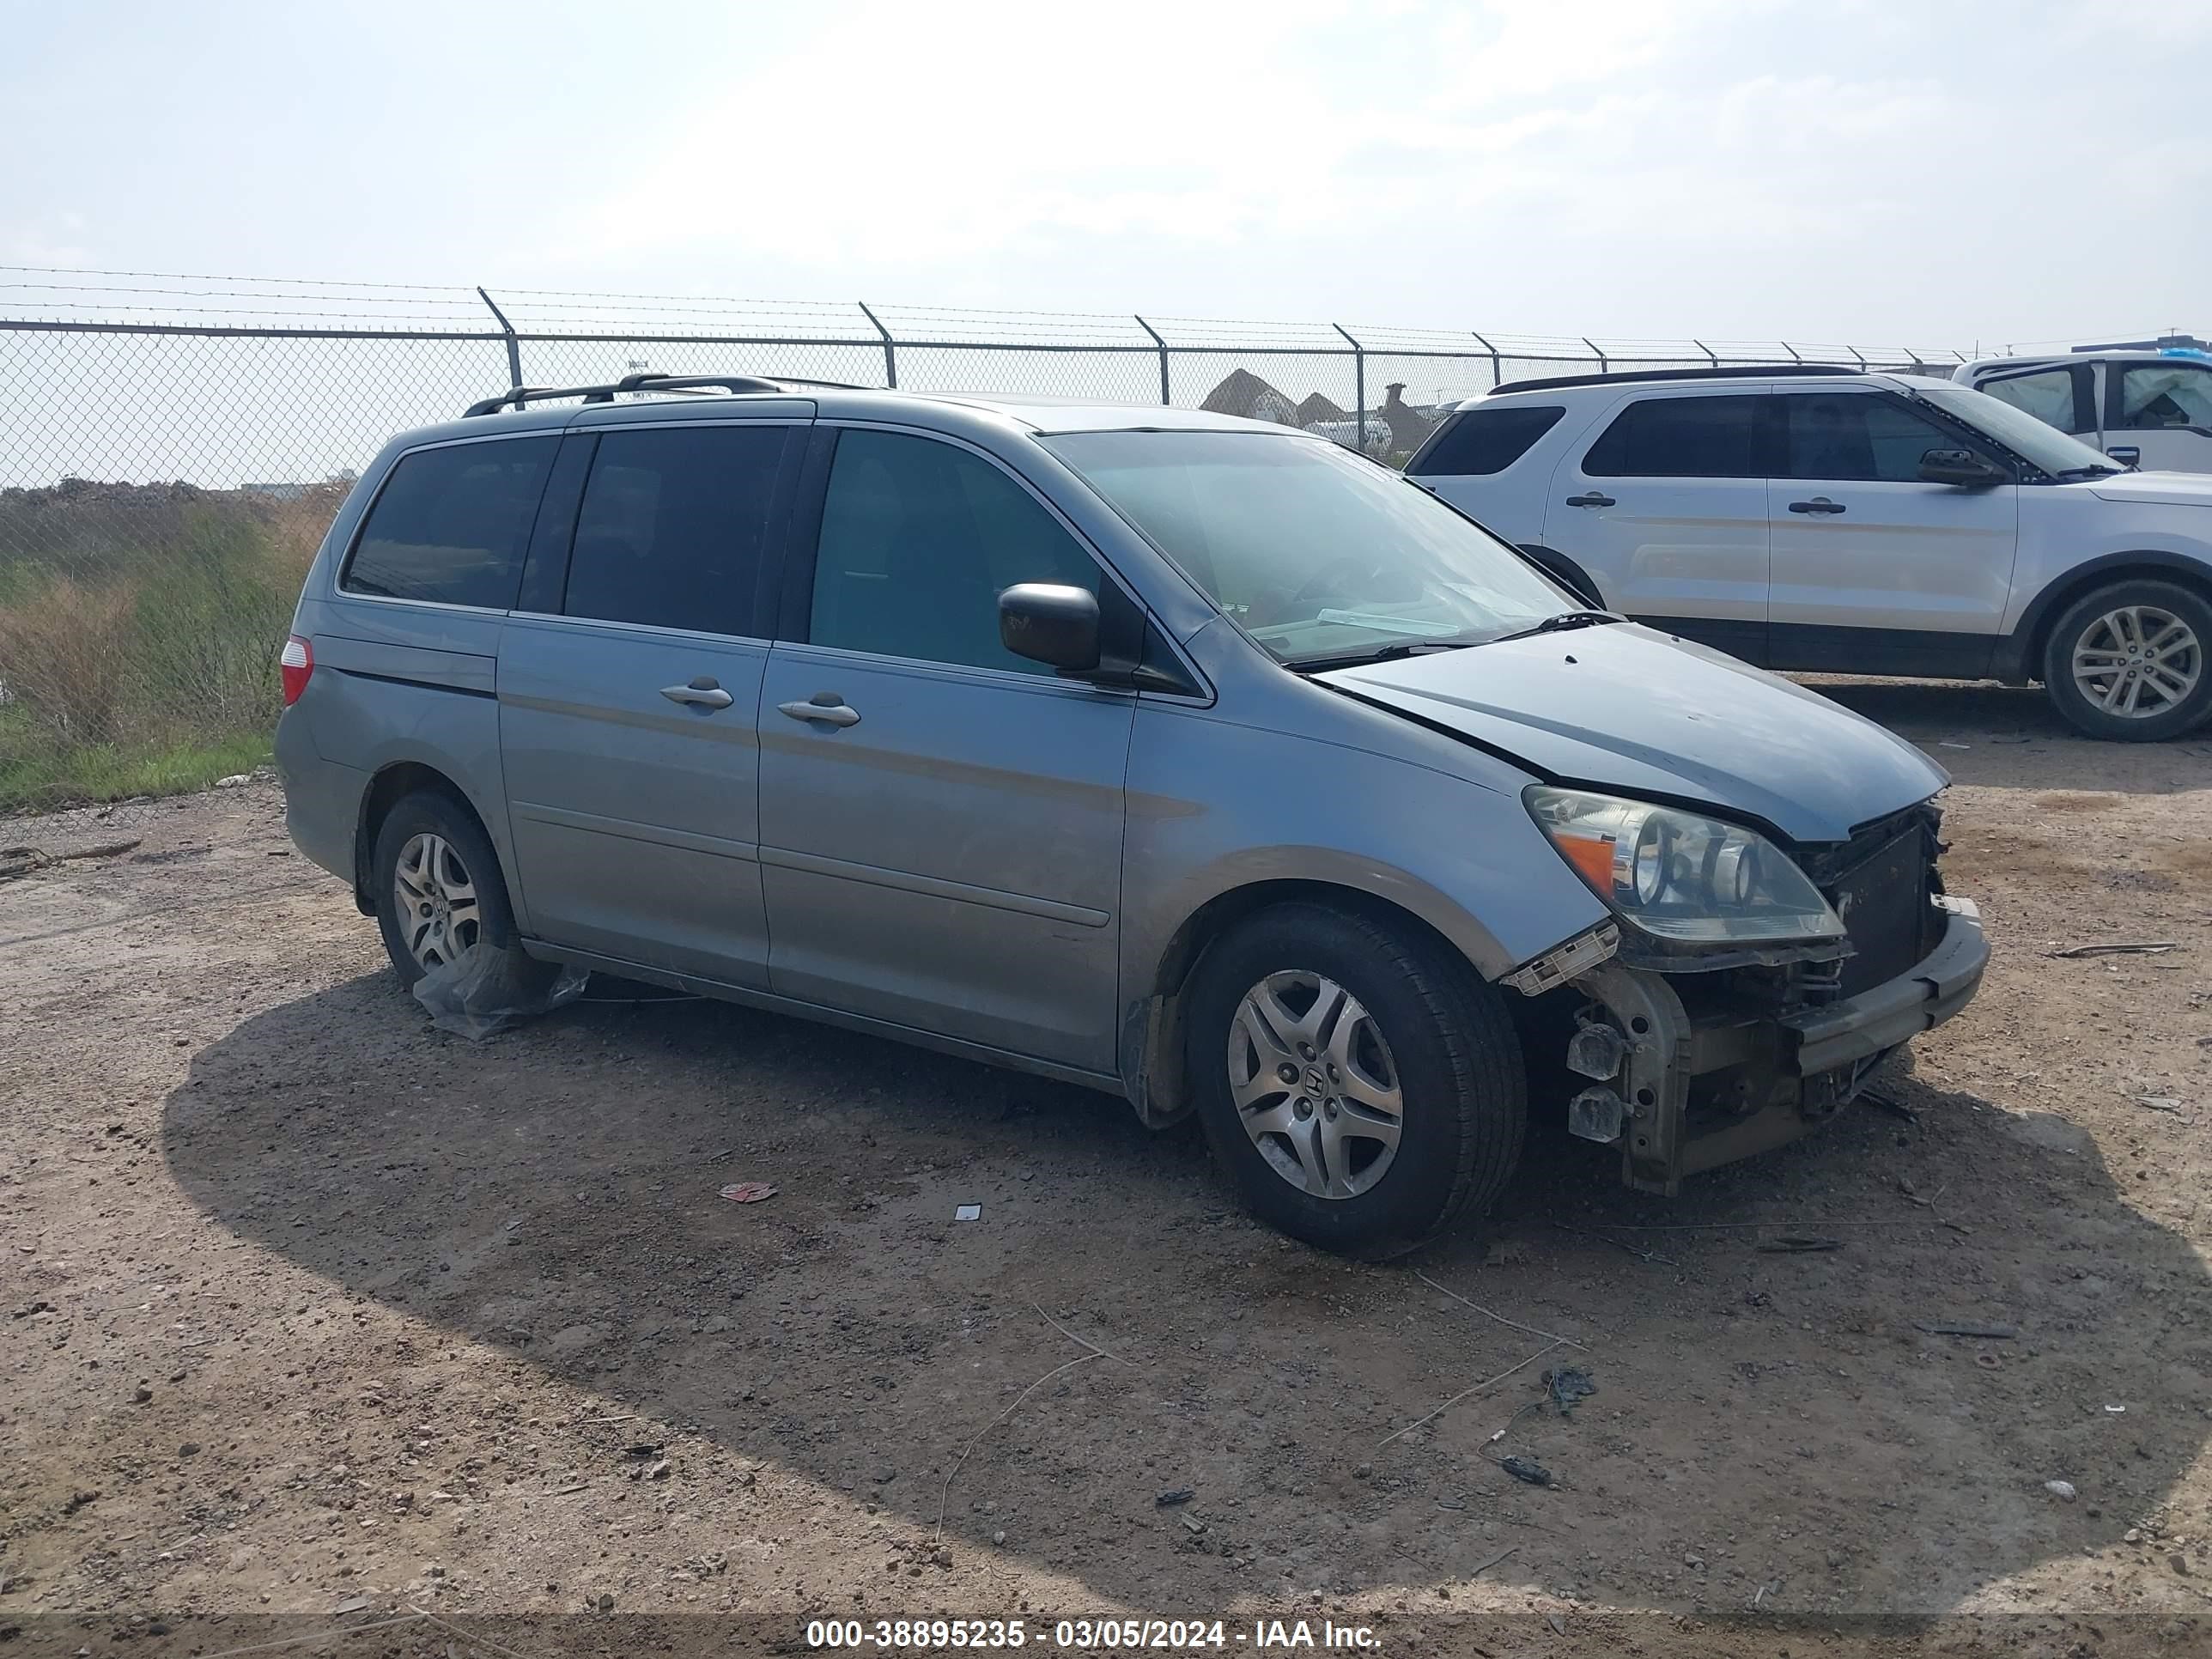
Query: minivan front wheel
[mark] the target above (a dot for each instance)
(436, 885)
(1359, 1082)
(2127, 662)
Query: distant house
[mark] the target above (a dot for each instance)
(1245, 393)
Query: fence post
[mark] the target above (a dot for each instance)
(513, 346)
(1792, 350)
(1709, 352)
(890, 349)
(1603, 366)
(1856, 353)
(1358, 387)
(1165, 398)
(1497, 373)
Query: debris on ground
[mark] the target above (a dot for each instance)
(2127, 948)
(1569, 1385)
(1993, 1333)
(748, 1192)
(1526, 1468)
(2062, 1490)
(968, 1212)
(1799, 1244)
(1167, 1500)
(2159, 1103)
(1895, 1108)
(22, 860)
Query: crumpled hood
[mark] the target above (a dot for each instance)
(2167, 489)
(1631, 711)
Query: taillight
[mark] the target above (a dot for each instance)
(297, 661)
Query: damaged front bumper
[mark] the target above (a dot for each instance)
(1689, 1071)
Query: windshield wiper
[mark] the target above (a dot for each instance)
(1563, 622)
(2091, 470)
(1390, 653)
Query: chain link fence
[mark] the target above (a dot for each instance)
(173, 448)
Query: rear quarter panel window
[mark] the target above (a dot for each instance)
(451, 525)
(1477, 442)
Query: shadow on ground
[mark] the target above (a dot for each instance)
(2010, 737)
(1768, 1425)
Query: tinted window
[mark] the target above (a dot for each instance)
(2170, 395)
(1679, 438)
(450, 524)
(2047, 394)
(918, 541)
(1482, 440)
(673, 524)
(1860, 437)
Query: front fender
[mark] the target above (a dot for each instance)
(1215, 807)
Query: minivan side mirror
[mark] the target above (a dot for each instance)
(1962, 467)
(2129, 455)
(1051, 624)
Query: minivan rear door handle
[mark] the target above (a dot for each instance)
(1592, 499)
(701, 693)
(1818, 504)
(827, 707)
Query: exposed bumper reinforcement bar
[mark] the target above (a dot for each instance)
(1938, 986)
(1781, 1067)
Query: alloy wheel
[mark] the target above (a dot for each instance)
(439, 917)
(1314, 1085)
(2137, 662)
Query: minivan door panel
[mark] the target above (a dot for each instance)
(951, 859)
(634, 817)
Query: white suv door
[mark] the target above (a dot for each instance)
(1667, 511)
(1874, 571)
(2162, 408)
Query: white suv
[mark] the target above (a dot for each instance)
(1831, 521)
(2149, 408)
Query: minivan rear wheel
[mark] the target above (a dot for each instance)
(2127, 662)
(1359, 1082)
(436, 885)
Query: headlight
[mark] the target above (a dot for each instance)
(1679, 876)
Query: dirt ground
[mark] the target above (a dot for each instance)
(320, 1320)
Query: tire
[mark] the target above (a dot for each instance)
(416, 825)
(2098, 628)
(1445, 1041)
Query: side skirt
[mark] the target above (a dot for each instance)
(767, 1002)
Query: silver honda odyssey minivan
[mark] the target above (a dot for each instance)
(1190, 758)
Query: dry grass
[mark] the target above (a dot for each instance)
(141, 647)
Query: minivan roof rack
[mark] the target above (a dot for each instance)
(1733, 371)
(521, 396)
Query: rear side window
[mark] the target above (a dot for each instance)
(1479, 441)
(673, 524)
(1679, 438)
(450, 525)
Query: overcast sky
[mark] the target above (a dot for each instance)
(1933, 171)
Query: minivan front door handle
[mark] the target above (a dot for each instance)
(827, 707)
(1592, 499)
(701, 693)
(1818, 504)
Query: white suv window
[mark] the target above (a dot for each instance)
(1680, 438)
(2165, 396)
(1855, 437)
(2048, 394)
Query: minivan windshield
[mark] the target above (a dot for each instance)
(1318, 554)
(2048, 447)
